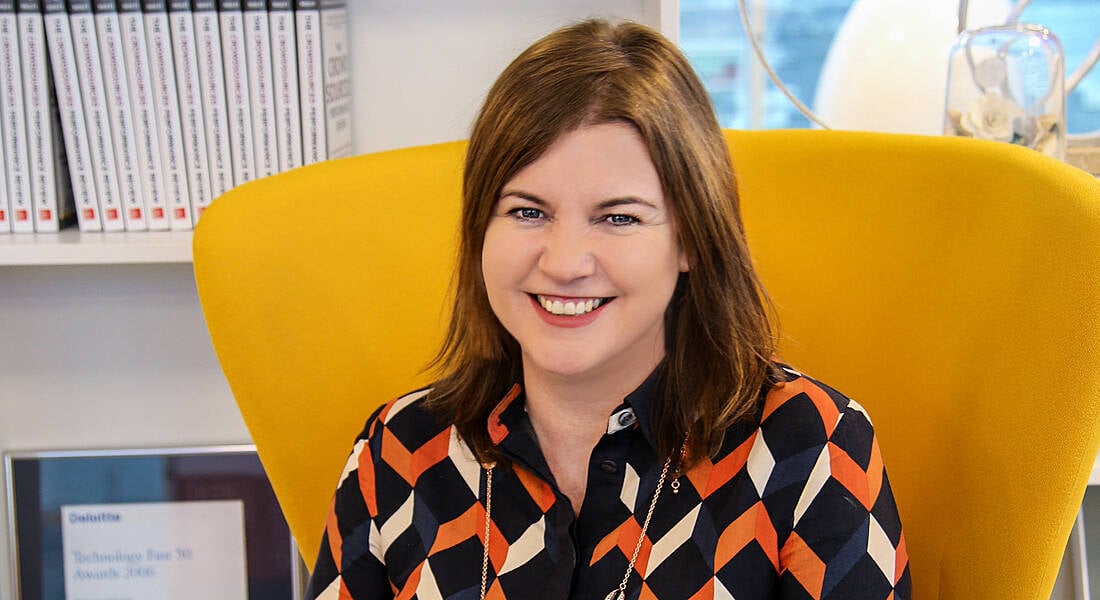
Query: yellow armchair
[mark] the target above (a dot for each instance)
(951, 286)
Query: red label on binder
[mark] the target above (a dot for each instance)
(89, 214)
(135, 213)
(46, 214)
(22, 215)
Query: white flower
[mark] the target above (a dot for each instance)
(991, 117)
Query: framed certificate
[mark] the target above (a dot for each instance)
(168, 523)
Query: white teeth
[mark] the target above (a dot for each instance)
(570, 308)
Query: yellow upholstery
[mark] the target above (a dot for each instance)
(949, 285)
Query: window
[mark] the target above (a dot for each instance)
(797, 35)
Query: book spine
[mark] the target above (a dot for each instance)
(7, 62)
(121, 115)
(140, 85)
(66, 84)
(58, 166)
(186, 56)
(165, 99)
(96, 119)
(59, 181)
(307, 18)
(70, 108)
(212, 86)
(334, 50)
(288, 114)
(4, 199)
(238, 100)
(19, 213)
(31, 46)
(258, 57)
(51, 193)
(59, 197)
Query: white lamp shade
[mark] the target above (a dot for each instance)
(887, 67)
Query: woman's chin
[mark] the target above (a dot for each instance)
(574, 364)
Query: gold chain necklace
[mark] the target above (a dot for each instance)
(618, 593)
(488, 511)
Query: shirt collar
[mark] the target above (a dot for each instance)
(642, 401)
(510, 413)
(506, 415)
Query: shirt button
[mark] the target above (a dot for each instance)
(627, 418)
(609, 466)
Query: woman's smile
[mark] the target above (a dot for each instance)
(569, 306)
(568, 313)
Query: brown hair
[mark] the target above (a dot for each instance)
(718, 337)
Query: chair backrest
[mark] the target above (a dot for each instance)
(951, 286)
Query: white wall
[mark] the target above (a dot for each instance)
(420, 68)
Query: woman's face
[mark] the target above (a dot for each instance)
(580, 257)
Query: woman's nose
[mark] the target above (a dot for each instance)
(566, 254)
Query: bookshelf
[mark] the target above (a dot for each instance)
(102, 342)
(72, 247)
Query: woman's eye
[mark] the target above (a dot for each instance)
(526, 213)
(619, 220)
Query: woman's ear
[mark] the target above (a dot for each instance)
(685, 264)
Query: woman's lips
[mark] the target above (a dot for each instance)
(555, 310)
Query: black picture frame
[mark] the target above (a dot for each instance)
(38, 483)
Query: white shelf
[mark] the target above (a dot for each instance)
(71, 247)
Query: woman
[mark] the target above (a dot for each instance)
(608, 421)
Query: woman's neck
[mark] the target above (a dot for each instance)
(579, 400)
(569, 417)
(572, 408)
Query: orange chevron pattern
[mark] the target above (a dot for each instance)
(849, 474)
(365, 476)
(539, 490)
(800, 561)
(901, 561)
(719, 474)
(332, 531)
(410, 465)
(624, 537)
(753, 525)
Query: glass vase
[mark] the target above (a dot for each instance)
(1007, 84)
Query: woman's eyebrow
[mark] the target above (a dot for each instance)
(524, 195)
(626, 201)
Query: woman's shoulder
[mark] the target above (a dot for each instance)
(407, 417)
(801, 406)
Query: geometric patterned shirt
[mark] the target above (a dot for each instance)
(795, 505)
